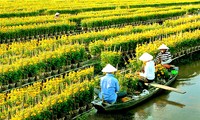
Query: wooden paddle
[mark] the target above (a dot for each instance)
(166, 87)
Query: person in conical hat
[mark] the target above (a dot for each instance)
(57, 15)
(148, 74)
(164, 56)
(109, 85)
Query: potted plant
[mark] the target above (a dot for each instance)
(12, 76)
(110, 57)
(55, 64)
(31, 70)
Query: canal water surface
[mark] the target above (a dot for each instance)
(167, 105)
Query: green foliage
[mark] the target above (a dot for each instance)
(110, 57)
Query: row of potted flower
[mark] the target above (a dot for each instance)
(129, 42)
(19, 99)
(186, 19)
(13, 32)
(44, 62)
(105, 21)
(116, 12)
(16, 21)
(176, 43)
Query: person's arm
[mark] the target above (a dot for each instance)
(169, 59)
(144, 74)
(158, 58)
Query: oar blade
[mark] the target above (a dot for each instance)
(167, 88)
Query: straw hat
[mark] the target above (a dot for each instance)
(163, 46)
(109, 68)
(146, 57)
(57, 14)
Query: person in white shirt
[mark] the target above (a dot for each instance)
(148, 74)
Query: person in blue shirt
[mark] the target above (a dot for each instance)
(109, 85)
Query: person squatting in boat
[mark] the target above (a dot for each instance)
(148, 73)
(109, 86)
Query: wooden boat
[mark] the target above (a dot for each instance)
(132, 102)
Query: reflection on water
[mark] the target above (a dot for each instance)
(167, 105)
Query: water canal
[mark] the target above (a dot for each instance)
(166, 105)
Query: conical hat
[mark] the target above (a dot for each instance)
(57, 14)
(109, 68)
(163, 46)
(146, 57)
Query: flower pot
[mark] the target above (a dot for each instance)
(68, 117)
(37, 78)
(69, 67)
(54, 72)
(42, 75)
(75, 65)
(27, 37)
(12, 85)
(18, 39)
(82, 109)
(31, 79)
(32, 37)
(37, 36)
(76, 112)
(19, 83)
(0, 88)
(13, 40)
(25, 81)
(3, 41)
(22, 39)
(61, 70)
(89, 106)
(4, 87)
(47, 74)
(8, 41)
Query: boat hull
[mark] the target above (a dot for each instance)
(131, 103)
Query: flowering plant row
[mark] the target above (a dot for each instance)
(16, 21)
(182, 20)
(116, 12)
(105, 21)
(113, 58)
(18, 50)
(45, 61)
(21, 31)
(129, 42)
(175, 43)
(19, 99)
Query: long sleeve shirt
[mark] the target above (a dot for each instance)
(109, 86)
(165, 58)
(149, 70)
